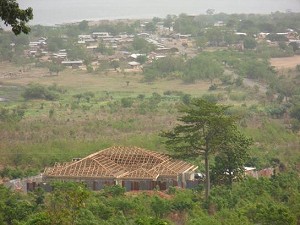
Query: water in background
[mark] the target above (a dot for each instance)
(50, 12)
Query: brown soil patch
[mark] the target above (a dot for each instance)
(286, 62)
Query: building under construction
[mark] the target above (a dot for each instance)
(131, 167)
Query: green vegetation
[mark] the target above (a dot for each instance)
(46, 119)
(251, 201)
(141, 45)
(36, 91)
(11, 115)
(17, 18)
(206, 129)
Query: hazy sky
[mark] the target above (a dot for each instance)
(60, 11)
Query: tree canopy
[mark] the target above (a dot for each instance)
(17, 18)
(202, 130)
(231, 158)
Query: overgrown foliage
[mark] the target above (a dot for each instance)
(37, 91)
(266, 201)
(12, 15)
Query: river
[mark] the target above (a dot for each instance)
(50, 12)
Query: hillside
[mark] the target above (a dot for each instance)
(71, 90)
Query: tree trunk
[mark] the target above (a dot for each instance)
(207, 177)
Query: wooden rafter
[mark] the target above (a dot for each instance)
(121, 162)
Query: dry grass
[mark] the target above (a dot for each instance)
(112, 82)
(286, 62)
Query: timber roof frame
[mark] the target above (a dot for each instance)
(119, 162)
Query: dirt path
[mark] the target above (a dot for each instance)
(285, 62)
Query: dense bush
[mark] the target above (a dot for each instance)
(126, 102)
(37, 91)
(251, 201)
(11, 115)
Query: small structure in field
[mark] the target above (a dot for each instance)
(72, 64)
(251, 171)
(131, 167)
(134, 65)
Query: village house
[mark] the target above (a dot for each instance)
(135, 56)
(86, 39)
(241, 34)
(251, 171)
(72, 64)
(182, 36)
(219, 24)
(134, 65)
(60, 55)
(101, 35)
(143, 35)
(131, 167)
(265, 172)
(35, 47)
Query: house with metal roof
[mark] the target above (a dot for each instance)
(131, 167)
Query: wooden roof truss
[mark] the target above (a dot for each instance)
(121, 163)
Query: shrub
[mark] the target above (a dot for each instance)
(126, 102)
(89, 69)
(11, 115)
(210, 97)
(84, 96)
(277, 111)
(176, 93)
(213, 87)
(37, 91)
(114, 191)
(160, 206)
(238, 81)
(141, 97)
(237, 97)
(14, 173)
(186, 99)
(54, 87)
(226, 79)
(271, 213)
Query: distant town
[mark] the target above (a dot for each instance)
(164, 41)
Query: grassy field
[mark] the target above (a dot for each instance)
(74, 127)
(114, 82)
(78, 127)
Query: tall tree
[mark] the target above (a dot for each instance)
(231, 158)
(201, 131)
(12, 15)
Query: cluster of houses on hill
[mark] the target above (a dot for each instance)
(289, 35)
(119, 46)
(105, 47)
(37, 47)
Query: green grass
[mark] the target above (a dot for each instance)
(271, 132)
(79, 127)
